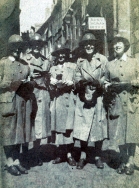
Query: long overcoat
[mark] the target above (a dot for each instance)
(123, 101)
(41, 102)
(90, 119)
(15, 106)
(62, 105)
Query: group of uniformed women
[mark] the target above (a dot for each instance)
(90, 101)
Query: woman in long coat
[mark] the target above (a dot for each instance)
(15, 105)
(122, 83)
(90, 118)
(62, 106)
(39, 68)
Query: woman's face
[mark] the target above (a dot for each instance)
(16, 52)
(61, 58)
(36, 48)
(89, 48)
(119, 48)
(28, 50)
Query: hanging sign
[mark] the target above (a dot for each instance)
(96, 23)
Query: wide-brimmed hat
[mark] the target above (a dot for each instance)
(60, 49)
(15, 41)
(36, 38)
(121, 39)
(87, 37)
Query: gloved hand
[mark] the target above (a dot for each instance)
(68, 82)
(53, 81)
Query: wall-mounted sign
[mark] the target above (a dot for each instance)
(96, 23)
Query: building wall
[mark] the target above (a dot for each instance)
(71, 19)
(9, 23)
(127, 23)
(135, 28)
(123, 20)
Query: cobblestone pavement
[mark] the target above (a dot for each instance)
(64, 176)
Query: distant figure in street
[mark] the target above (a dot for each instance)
(62, 105)
(90, 118)
(15, 105)
(122, 86)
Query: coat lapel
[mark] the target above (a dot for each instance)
(89, 68)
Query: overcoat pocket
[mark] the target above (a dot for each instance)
(8, 109)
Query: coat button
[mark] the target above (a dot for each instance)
(67, 105)
(124, 92)
(20, 71)
(122, 75)
(39, 100)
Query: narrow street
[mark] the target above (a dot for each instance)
(64, 176)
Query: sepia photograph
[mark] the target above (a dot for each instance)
(69, 93)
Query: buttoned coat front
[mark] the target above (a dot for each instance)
(90, 122)
(123, 101)
(15, 108)
(62, 105)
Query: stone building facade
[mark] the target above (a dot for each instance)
(69, 19)
(135, 27)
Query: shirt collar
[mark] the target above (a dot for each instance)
(123, 58)
(94, 55)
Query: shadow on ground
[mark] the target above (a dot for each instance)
(48, 153)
